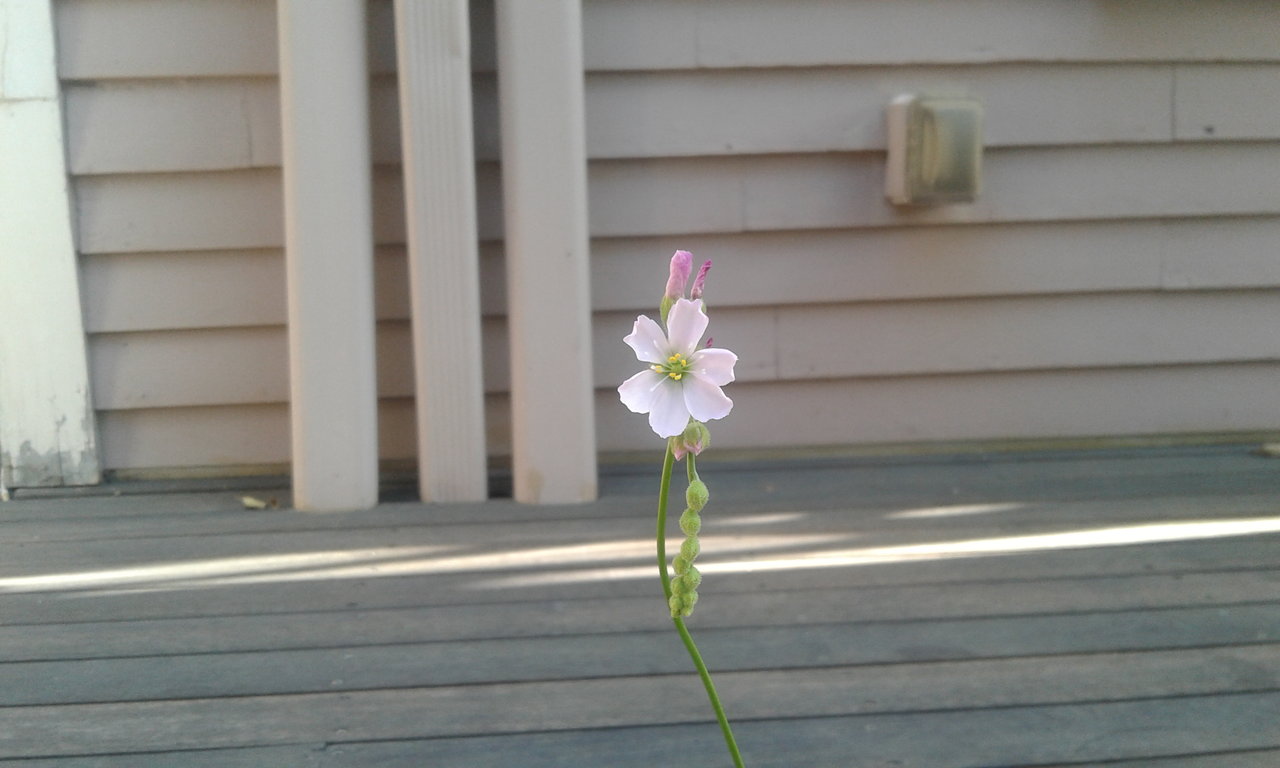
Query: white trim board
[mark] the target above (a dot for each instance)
(47, 434)
(433, 46)
(329, 254)
(544, 192)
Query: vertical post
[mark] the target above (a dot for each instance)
(540, 91)
(46, 416)
(434, 70)
(324, 97)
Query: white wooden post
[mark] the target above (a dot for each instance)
(434, 69)
(324, 98)
(46, 416)
(540, 91)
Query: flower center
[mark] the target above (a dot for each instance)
(676, 366)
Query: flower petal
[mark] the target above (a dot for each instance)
(704, 400)
(669, 414)
(714, 365)
(648, 341)
(640, 392)
(685, 326)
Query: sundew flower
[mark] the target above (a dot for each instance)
(682, 381)
(681, 266)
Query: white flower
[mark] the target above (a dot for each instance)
(682, 381)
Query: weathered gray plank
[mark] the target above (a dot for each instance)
(284, 666)
(1248, 758)
(652, 700)
(1162, 654)
(1082, 732)
(1217, 474)
(737, 527)
(228, 620)
(291, 756)
(1088, 734)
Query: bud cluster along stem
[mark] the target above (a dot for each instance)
(684, 587)
(680, 374)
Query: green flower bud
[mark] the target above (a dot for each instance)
(689, 549)
(681, 605)
(680, 564)
(696, 496)
(690, 523)
(692, 579)
(690, 599)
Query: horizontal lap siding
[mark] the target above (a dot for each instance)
(1074, 404)
(1118, 276)
(1112, 280)
(788, 343)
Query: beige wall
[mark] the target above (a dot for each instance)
(1119, 275)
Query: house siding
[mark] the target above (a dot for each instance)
(1118, 276)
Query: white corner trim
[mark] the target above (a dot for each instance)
(544, 185)
(434, 63)
(47, 434)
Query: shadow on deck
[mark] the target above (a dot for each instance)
(1031, 610)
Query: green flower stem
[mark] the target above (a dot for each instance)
(689, 645)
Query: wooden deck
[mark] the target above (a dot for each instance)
(1034, 610)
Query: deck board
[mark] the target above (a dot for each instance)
(1069, 609)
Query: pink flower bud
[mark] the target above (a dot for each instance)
(694, 439)
(700, 280)
(681, 266)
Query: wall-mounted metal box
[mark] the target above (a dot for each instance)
(935, 150)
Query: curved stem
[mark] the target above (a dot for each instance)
(689, 645)
(662, 521)
(711, 691)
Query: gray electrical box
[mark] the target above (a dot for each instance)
(935, 150)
